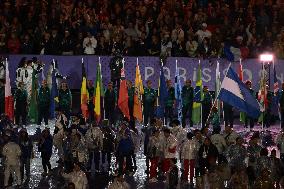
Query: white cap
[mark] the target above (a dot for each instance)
(204, 25)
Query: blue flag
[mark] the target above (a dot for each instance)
(234, 92)
(53, 96)
(162, 95)
(178, 94)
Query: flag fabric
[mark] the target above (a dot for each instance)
(139, 91)
(234, 92)
(178, 94)
(262, 94)
(98, 93)
(162, 95)
(123, 96)
(241, 76)
(9, 101)
(33, 106)
(234, 54)
(275, 81)
(54, 95)
(84, 93)
(217, 86)
(198, 96)
(276, 96)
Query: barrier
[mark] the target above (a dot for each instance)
(149, 67)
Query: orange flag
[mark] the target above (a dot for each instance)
(84, 93)
(123, 96)
(139, 90)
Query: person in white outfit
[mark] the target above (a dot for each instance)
(119, 183)
(78, 177)
(89, 44)
(188, 156)
(12, 154)
(230, 135)
(94, 141)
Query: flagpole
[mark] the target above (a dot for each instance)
(200, 98)
(215, 100)
(264, 97)
(103, 99)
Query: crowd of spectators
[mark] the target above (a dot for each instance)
(194, 28)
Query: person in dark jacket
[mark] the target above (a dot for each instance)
(170, 102)
(110, 103)
(21, 96)
(115, 65)
(124, 148)
(207, 155)
(149, 100)
(27, 152)
(228, 114)
(108, 144)
(43, 103)
(187, 102)
(206, 105)
(131, 91)
(65, 99)
(248, 119)
(45, 148)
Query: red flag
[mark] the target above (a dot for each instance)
(9, 101)
(123, 96)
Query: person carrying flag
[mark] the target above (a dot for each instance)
(268, 108)
(21, 98)
(110, 99)
(149, 99)
(131, 91)
(248, 119)
(187, 95)
(170, 102)
(65, 99)
(206, 105)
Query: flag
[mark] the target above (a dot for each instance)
(241, 76)
(178, 94)
(262, 94)
(33, 109)
(9, 101)
(84, 93)
(123, 96)
(98, 93)
(54, 95)
(276, 96)
(139, 90)
(234, 92)
(198, 96)
(234, 54)
(275, 82)
(217, 86)
(162, 95)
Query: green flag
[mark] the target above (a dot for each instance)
(198, 96)
(33, 108)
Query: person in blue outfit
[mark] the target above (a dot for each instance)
(124, 147)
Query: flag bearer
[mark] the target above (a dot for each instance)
(281, 103)
(187, 102)
(43, 103)
(21, 96)
(65, 99)
(170, 102)
(149, 99)
(206, 105)
(247, 118)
